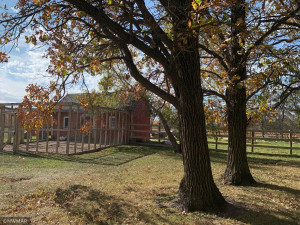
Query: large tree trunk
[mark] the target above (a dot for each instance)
(237, 171)
(197, 189)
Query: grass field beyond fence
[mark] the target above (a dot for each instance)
(136, 185)
(279, 142)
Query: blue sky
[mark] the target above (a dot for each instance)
(26, 65)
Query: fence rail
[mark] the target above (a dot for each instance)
(106, 127)
(261, 141)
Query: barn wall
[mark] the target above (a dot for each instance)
(103, 132)
(141, 115)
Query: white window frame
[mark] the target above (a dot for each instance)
(111, 124)
(66, 126)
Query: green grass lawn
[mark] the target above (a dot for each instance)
(262, 149)
(136, 185)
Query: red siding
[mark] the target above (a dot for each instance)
(112, 135)
(141, 115)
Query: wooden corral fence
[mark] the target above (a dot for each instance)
(287, 142)
(108, 127)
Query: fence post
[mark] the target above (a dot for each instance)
(106, 127)
(159, 132)
(47, 137)
(291, 142)
(52, 127)
(16, 136)
(89, 132)
(69, 130)
(27, 140)
(82, 133)
(2, 127)
(37, 137)
(58, 129)
(216, 139)
(100, 131)
(10, 125)
(122, 131)
(119, 126)
(94, 131)
(252, 141)
(76, 129)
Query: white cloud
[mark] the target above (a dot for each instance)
(26, 66)
(11, 90)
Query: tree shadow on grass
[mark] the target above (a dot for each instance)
(95, 207)
(236, 211)
(278, 188)
(240, 213)
(115, 157)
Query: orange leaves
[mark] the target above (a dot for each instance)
(36, 108)
(3, 57)
(85, 102)
(95, 65)
(86, 127)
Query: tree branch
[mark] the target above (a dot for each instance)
(146, 83)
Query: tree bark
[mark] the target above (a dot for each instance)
(197, 189)
(237, 171)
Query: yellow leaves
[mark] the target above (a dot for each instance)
(241, 42)
(33, 40)
(195, 5)
(36, 2)
(240, 22)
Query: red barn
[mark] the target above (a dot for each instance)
(106, 126)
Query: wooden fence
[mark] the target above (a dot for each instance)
(260, 141)
(112, 127)
(108, 127)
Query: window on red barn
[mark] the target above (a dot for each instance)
(66, 122)
(112, 122)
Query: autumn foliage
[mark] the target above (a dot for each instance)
(37, 107)
(3, 57)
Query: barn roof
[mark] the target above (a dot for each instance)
(74, 98)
